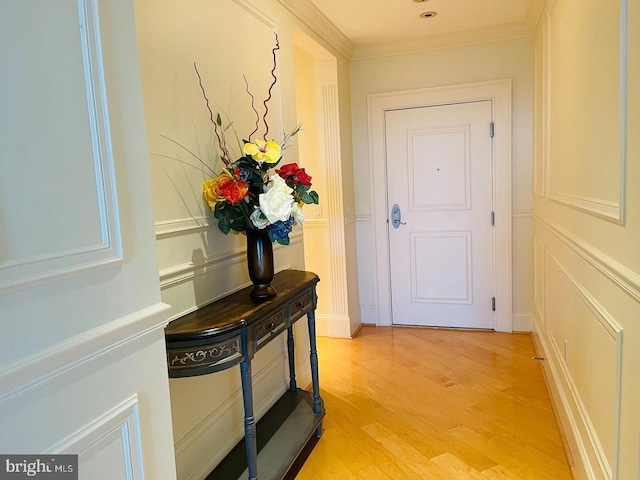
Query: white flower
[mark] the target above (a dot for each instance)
(258, 219)
(277, 201)
(296, 213)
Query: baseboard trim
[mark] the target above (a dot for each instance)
(338, 326)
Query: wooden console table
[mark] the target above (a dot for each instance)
(229, 332)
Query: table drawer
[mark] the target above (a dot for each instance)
(270, 327)
(206, 358)
(301, 305)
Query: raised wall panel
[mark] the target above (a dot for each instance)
(184, 149)
(538, 277)
(439, 169)
(110, 447)
(83, 399)
(577, 327)
(56, 145)
(586, 78)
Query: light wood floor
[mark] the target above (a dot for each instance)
(406, 403)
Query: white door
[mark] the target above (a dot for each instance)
(439, 173)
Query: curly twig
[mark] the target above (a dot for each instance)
(275, 79)
(246, 88)
(225, 158)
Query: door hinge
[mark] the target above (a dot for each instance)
(493, 218)
(493, 304)
(491, 129)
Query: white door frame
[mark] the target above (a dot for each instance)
(499, 92)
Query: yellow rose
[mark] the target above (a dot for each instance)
(211, 192)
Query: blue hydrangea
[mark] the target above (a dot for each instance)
(280, 230)
(244, 174)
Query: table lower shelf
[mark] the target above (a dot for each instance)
(282, 433)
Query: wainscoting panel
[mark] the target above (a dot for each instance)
(100, 405)
(75, 356)
(538, 277)
(367, 274)
(583, 299)
(523, 267)
(110, 447)
(189, 285)
(87, 236)
(577, 327)
(575, 173)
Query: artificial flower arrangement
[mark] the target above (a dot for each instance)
(250, 193)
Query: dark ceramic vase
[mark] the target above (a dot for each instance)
(260, 263)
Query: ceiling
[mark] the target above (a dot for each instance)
(376, 24)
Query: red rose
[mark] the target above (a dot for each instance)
(291, 172)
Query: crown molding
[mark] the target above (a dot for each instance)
(534, 14)
(458, 39)
(313, 18)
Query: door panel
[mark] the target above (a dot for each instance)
(448, 278)
(437, 184)
(439, 172)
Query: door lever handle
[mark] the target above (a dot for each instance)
(396, 216)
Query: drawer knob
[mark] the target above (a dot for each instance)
(300, 304)
(272, 325)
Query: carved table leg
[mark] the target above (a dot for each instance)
(318, 404)
(292, 360)
(249, 420)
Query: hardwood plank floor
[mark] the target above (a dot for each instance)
(410, 403)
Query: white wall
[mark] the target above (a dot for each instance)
(509, 59)
(587, 229)
(82, 363)
(227, 39)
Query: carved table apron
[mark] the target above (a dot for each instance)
(230, 331)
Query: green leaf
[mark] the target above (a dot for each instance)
(219, 210)
(301, 189)
(219, 120)
(315, 197)
(224, 225)
(306, 198)
(266, 166)
(239, 225)
(283, 241)
(234, 213)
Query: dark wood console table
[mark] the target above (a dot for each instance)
(229, 332)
